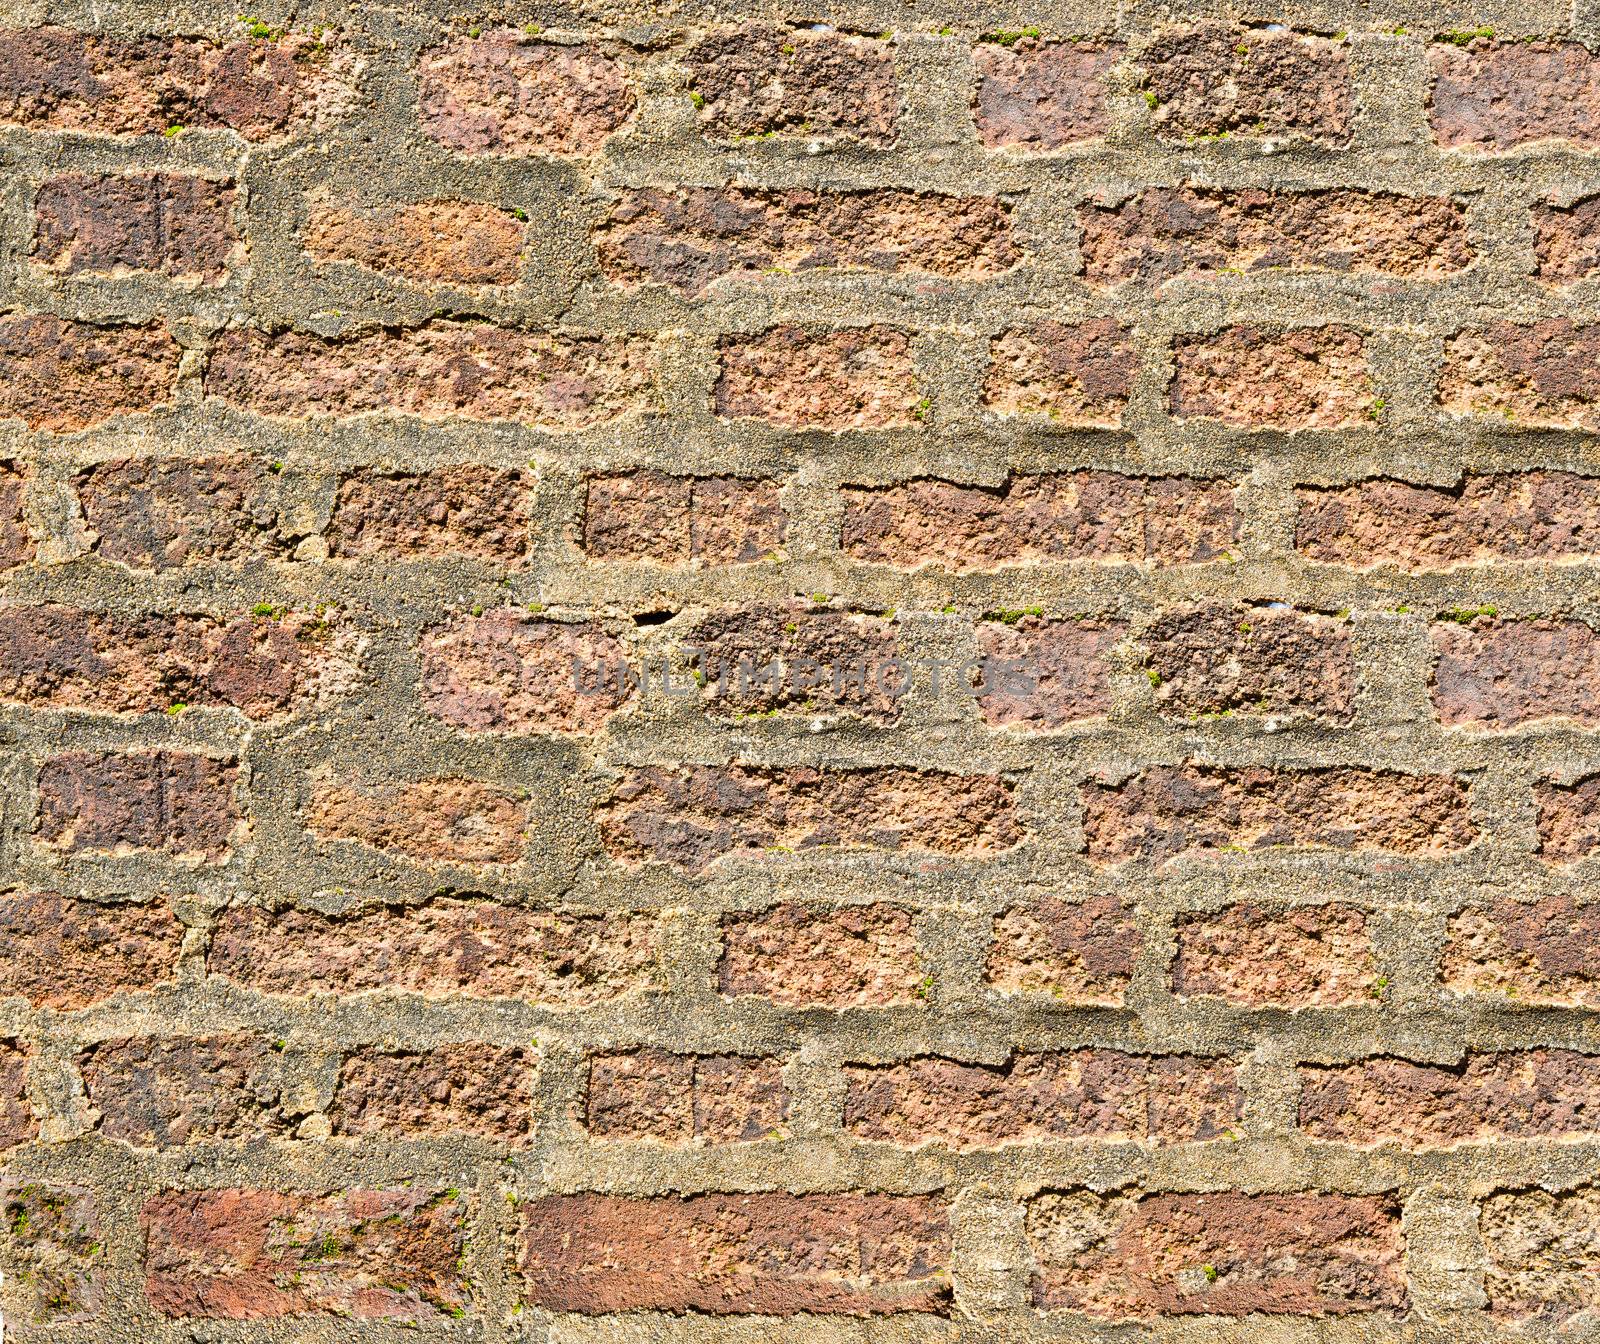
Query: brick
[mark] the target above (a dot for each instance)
(266, 1254)
(16, 1118)
(854, 378)
(1310, 378)
(67, 658)
(1172, 810)
(463, 510)
(1566, 240)
(1061, 670)
(691, 237)
(481, 1090)
(53, 1257)
(776, 1254)
(1165, 232)
(763, 79)
(1215, 79)
(65, 376)
(1081, 515)
(1515, 1095)
(58, 952)
(443, 371)
(1494, 96)
(680, 520)
(60, 79)
(1255, 955)
(1569, 822)
(436, 820)
(16, 544)
(1036, 95)
(1540, 1258)
(174, 801)
(444, 947)
(652, 1094)
(506, 672)
(1531, 515)
(1080, 953)
(856, 956)
(1078, 376)
(162, 513)
(798, 658)
(1544, 951)
(1540, 373)
(1127, 1256)
(1081, 1094)
(115, 223)
(502, 94)
(691, 816)
(1500, 674)
(445, 242)
(163, 1091)
(1224, 659)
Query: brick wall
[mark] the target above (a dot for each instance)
(368, 977)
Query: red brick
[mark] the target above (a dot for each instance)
(1082, 1094)
(854, 378)
(764, 79)
(436, 820)
(1517, 1095)
(1222, 659)
(265, 1254)
(1078, 376)
(52, 1249)
(691, 816)
(1493, 96)
(691, 237)
(651, 1094)
(464, 510)
(64, 657)
(1540, 1259)
(1499, 674)
(1569, 819)
(503, 94)
(1566, 240)
(1542, 373)
(1079, 953)
(1303, 956)
(773, 1254)
(1544, 951)
(174, 801)
(1127, 1256)
(506, 672)
(16, 544)
(680, 520)
(54, 77)
(1082, 515)
(62, 953)
(115, 223)
(161, 513)
(445, 947)
(1216, 79)
(1164, 232)
(856, 956)
(481, 1090)
(1068, 664)
(450, 242)
(443, 371)
(64, 376)
(1309, 378)
(1172, 810)
(161, 1091)
(16, 1118)
(1042, 95)
(1533, 515)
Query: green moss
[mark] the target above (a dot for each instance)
(1010, 615)
(1460, 37)
(697, 98)
(1466, 615)
(174, 130)
(1150, 99)
(1210, 1271)
(1006, 37)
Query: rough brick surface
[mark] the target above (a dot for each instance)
(1313, 378)
(437, 820)
(17, 1124)
(774, 1254)
(1042, 95)
(801, 379)
(261, 1254)
(160, 1091)
(679, 520)
(1499, 674)
(1083, 953)
(176, 801)
(1569, 825)
(64, 953)
(650, 1094)
(53, 1253)
(455, 1089)
(445, 947)
(1541, 373)
(1540, 1254)
(1296, 957)
(63, 376)
(16, 545)
(1079, 375)
(468, 511)
(798, 955)
(1542, 951)
(112, 223)
(1227, 1254)
(1495, 96)
(454, 242)
(1567, 240)
(1061, 670)
(1085, 515)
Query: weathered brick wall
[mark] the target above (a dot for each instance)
(366, 979)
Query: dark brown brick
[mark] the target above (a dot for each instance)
(63, 953)
(1077, 376)
(65, 376)
(161, 1091)
(174, 801)
(1036, 95)
(113, 223)
(482, 1090)
(1047, 674)
(467, 510)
